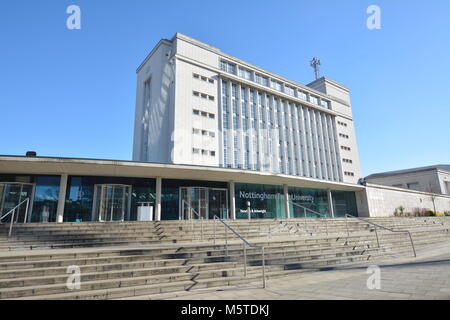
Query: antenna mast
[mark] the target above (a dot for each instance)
(315, 63)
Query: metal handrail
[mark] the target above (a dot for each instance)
(13, 212)
(314, 212)
(382, 227)
(192, 210)
(244, 243)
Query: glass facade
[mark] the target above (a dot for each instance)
(122, 197)
(80, 195)
(344, 202)
(16, 188)
(170, 195)
(266, 201)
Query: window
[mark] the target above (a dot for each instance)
(210, 80)
(204, 114)
(347, 173)
(211, 116)
(313, 100)
(196, 93)
(325, 104)
(196, 76)
(195, 150)
(211, 98)
(262, 80)
(212, 153)
(413, 186)
(289, 90)
(228, 67)
(195, 131)
(345, 148)
(246, 74)
(196, 112)
(275, 85)
(301, 95)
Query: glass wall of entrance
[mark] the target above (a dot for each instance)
(112, 202)
(204, 202)
(12, 194)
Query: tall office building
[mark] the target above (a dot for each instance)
(197, 105)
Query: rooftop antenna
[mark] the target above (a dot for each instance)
(315, 63)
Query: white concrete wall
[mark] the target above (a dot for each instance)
(381, 201)
(158, 116)
(185, 120)
(444, 181)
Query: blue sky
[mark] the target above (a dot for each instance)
(71, 93)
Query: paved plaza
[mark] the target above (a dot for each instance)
(425, 277)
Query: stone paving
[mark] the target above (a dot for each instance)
(426, 277)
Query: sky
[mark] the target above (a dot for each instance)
(71, 93)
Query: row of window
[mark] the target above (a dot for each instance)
(342, 123)
(256, 125)
(343, 136)
(203, 114)
(347, 160)
(203, 152)
(346, 148)
(203, 95)
(197, 76)
(348, 173)
(203, 132)
(272, 83)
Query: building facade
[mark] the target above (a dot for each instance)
(79, 190)
(198, 105)
(213, 136)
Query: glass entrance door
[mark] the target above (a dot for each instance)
(112, 202)
(206, 202)
(13, 193)
(218, 203)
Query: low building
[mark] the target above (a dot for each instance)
(431, 179)
(79, 190)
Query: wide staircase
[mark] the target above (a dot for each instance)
(131, 260)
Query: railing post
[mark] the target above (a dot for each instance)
(245, 259)
(378, 241)
(304, 211)
(26, 211)
(346, 224)
(326, 225)
(201, 231)
(412, 244)
(226, 241)
(263, 267)
(214, 228)
(11, 223)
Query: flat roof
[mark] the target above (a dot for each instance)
(444, 167)
(23, 165)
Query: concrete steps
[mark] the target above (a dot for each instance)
(129, 259)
